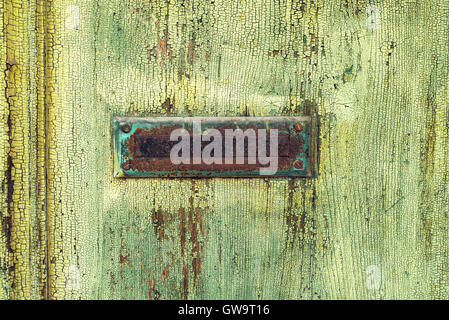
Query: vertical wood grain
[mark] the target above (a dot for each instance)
(372, 225)
(22, 242)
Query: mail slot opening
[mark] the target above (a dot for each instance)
(207, 147)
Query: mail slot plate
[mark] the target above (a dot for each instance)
(244, 147)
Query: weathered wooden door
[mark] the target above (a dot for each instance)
(372, 224)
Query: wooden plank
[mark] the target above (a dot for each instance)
(4, 257)
(372, 225)
(22, 238)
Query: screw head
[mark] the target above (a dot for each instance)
(298, 164)
(298, 126)
(126, 128)
(126, 166)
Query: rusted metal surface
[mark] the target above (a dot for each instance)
(142, 147)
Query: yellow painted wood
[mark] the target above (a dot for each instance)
(376, 75)
(22, 235)
(4, 259)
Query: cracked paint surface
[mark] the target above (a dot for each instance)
(377, 75)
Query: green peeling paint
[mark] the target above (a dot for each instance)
(372, 224)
